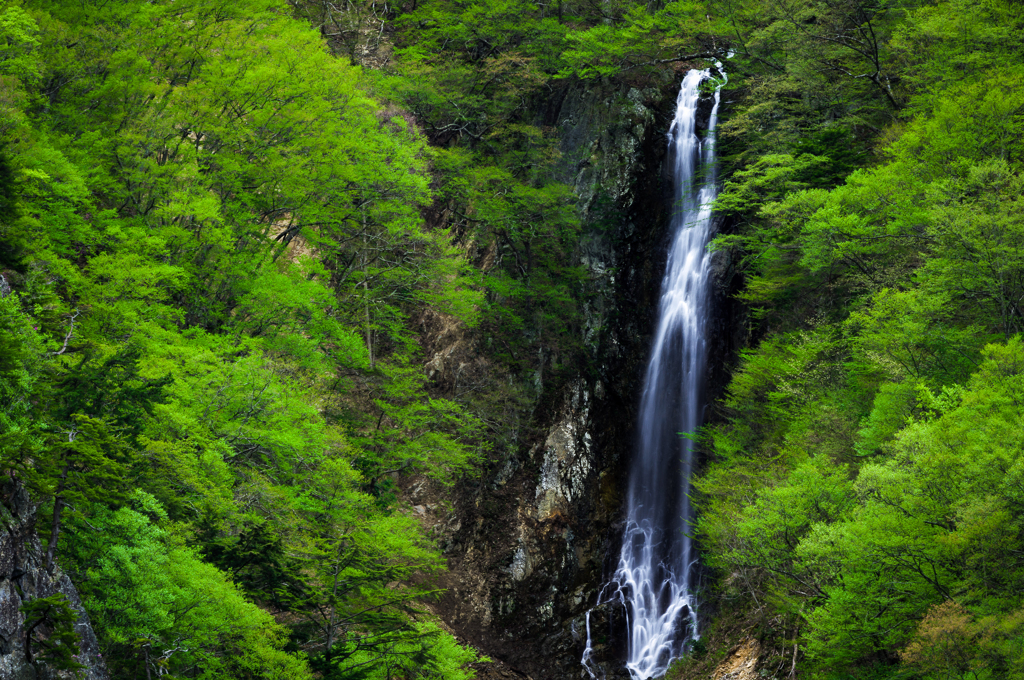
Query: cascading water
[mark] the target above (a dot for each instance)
(653, 577)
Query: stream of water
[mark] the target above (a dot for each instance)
(653, 581)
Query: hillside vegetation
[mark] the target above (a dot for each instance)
(865, 478)
(223, 223)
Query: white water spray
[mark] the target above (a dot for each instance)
(653, 579)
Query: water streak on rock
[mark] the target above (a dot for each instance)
(653, 579)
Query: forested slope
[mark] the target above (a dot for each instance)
(212, 243)
(864, 482)
(223, 223)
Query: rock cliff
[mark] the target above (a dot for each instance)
(23, 578)
(531, 544)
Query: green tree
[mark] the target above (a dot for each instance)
(50, 628)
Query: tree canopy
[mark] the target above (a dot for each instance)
(223, 223)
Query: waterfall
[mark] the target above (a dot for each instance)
(653, 579)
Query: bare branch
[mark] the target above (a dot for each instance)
(70, 334)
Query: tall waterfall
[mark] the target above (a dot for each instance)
(653, 579)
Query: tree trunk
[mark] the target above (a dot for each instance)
(366, 298)
(58, 507)
(330, 623)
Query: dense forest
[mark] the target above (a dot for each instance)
(226, 226)
(865, 481)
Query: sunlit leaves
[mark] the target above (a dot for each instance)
(216, 242)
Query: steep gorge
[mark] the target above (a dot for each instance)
(531, 544)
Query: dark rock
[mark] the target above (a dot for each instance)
(530, 549)
(23, 578)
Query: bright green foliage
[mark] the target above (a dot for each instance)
(808, 68)
(50, 633)
(214, 243)
(19, 366)
(433, 436)
(445, 660)
(933, 521)
(359, 556)
(954, 43)
(864, 480)
(162, 609)
(937, 518)
(642, 39)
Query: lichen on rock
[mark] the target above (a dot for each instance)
(567, 459)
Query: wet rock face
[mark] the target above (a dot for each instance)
(729, 324)
(22, 579)
(607, 628)
(530, 547)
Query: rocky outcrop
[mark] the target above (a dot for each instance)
(23, 578)
(741, 664)
(531, 545)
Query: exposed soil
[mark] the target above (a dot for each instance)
(741, 664)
